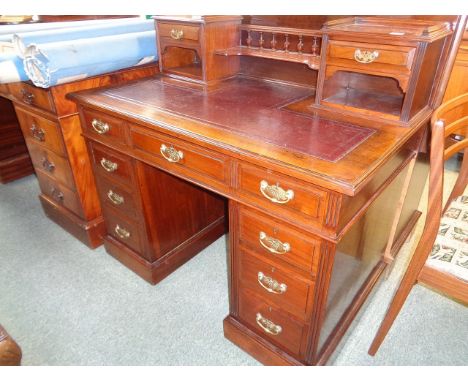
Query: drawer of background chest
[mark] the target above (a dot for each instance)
(272, 323)
(59, 193)
(105, 128)
(178, 32)
(41, 130)
(111, 164)
(123, 229)
(275, 240)
(283, 288)
(371, 56)
(31, 95)
(180, 157)
(52, 164)
(117, 197)
(282, 195)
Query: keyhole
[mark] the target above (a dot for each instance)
(272, 269)
(275, 230)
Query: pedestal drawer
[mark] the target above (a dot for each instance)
(124, 230)
(284, 289)
(41, 130)
(111, 164)
(105, 128)
(31, 95)
(282, 194)
(271, 322)
(52, 164)
(59, 193)
(117, 197)
(276, 240)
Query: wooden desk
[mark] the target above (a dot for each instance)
(316, 193)
(51, 129)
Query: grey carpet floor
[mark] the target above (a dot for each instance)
(68, 305)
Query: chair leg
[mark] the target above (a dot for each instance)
(406, 284)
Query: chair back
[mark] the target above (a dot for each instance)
(449, 137)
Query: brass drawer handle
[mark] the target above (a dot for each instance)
(37, 133)
(365, 56)
(171, 154)
(268, 326)
(49, 166)
(28, 97)
(56, 194)
(273, 245)
(121, 232)
(177, 34)
(271, 285)
(275, 193)
(99, 126)
(115, 198)
(108, 165)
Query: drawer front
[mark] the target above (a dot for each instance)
(117, 197)
(281, 194)
(276, 240)
(183, 158)
(282, 288)
(105, 128)
(42, 131)
(111, 164)
(52, 164)
(178, 32)
(31, 95)
(59, 193)
(369, 56)
(124, 230)
(271, 322)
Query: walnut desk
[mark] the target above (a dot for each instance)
(315, 192)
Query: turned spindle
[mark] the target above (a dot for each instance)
(286, 42)
(249, 39)
(300, 44)
(273, 41)
(314, 47)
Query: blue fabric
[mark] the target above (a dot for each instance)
(59, 62)
(11, 68)
(22, 40)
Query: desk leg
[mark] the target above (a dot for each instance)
(388, 255)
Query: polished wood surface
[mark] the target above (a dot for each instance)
(316, 191)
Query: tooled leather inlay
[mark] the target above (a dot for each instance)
(253, 109)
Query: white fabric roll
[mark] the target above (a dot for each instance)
(11, 69)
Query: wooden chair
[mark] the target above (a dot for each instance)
(441, 256)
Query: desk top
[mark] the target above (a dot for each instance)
(251, 116)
